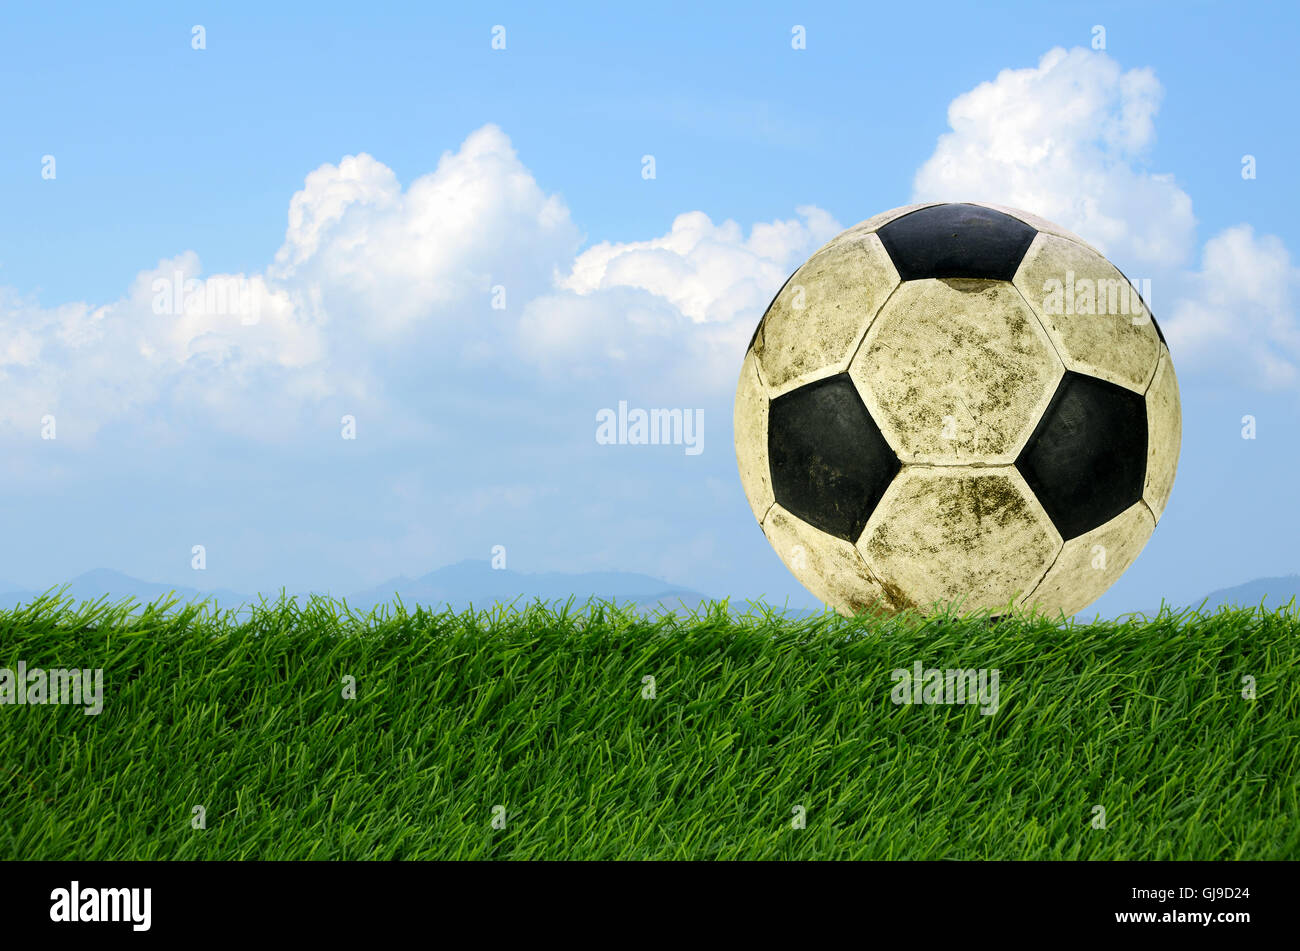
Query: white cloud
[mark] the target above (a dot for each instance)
(361, 259)
(1067, 140)
(1240, 315)
(686, 301)
(709, 272)
(374, 283)
(619, 332)
(391, 259)
(89, 365)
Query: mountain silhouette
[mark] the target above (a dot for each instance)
(95, 584)
(460, 585)
(477, 583)
(1271, 592)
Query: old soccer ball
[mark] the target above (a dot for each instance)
(957, 404)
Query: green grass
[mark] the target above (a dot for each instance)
(542, 712)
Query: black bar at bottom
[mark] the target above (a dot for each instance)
(613, 901)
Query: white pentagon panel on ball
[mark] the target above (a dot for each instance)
(1164, 435)
(956, 371)
(830, 568)
(1037, 223)
(959, 534)
(751, 438)
(1089, 564)
(818, 319)
(1097, 321)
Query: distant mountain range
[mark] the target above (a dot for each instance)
(460, 585)
(95, 584)
(476, 583)
(1277, 591)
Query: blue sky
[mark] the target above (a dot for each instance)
(473, 168)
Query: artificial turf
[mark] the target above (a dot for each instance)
(533, 733)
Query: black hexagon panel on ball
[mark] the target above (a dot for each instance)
(957, 404)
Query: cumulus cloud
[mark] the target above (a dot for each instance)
(687, 300)
(362, 261)
(393, 258)
(1067, 140)
(374, 281)
(709, 272)
(1240, 316)
(172, 334)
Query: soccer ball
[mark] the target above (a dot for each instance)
(957, 404)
